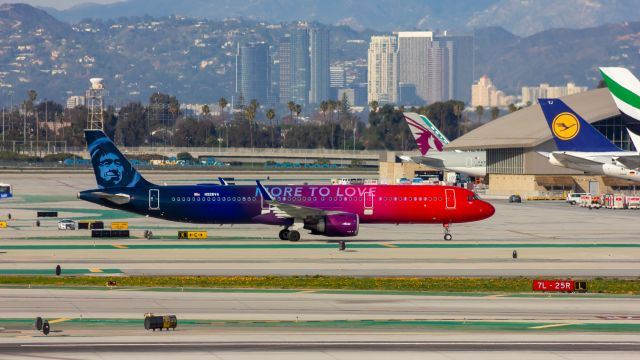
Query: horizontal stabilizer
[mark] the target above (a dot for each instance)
(119, 199)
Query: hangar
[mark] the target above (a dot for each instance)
(512, 142)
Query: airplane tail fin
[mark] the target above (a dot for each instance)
(426, 134)
(570, 131)
(624, 88)
(111, 168)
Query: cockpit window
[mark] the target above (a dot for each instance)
(473, 197)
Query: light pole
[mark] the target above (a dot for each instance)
(220, 140)
(283, 133)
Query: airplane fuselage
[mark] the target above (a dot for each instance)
(471, 163)
(599, 163)
(214, 204)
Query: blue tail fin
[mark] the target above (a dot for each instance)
(111, 168)
(570, 131)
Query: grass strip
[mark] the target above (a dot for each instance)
(414, 284)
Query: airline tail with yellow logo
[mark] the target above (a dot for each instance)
(570, 131)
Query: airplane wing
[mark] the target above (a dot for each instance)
(119, 199)
(569, 160)
(284, 210)
(429, 161)
(630, 162)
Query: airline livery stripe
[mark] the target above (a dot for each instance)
(622, 93)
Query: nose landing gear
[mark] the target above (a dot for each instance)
(447, 233)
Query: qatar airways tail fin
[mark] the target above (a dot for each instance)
(426, 134)
(570, 131)
(624, 88)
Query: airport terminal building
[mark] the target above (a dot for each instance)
(512, 143)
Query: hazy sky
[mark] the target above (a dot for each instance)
(60, 4)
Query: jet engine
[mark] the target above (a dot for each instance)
(334, 225)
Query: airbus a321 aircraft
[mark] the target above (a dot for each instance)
(582, 147)
(333, 210)
(431, 143)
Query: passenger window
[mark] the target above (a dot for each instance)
(410, 199)
(173, 199)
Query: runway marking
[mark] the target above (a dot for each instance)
(390, 245)
(550, 326)
(495, 296)
(95, 270)
(60, 320)
(120, 246)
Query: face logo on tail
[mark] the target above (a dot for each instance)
(111, 169)
(565, 126)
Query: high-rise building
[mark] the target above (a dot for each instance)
(484, 93)
(319, 61)
(337, 79)
(253, 70)
(413, 60)
(531, 94)
(382, 70)
(295, 71)
(437, 73)
(460, 63)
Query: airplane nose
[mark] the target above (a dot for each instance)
(488, 210)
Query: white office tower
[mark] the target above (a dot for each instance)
(383, 70)
(319, 61)
(95, 103)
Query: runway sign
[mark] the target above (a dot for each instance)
(192, 234)
(119, 225)
(559, 285)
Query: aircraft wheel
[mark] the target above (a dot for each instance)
(283, 234)
(294, 235)
(448, 237)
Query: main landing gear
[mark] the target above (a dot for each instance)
(447, 233)
(291, 235)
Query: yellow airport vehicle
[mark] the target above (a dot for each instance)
(3, 224)
(192, 234)
(119, 225)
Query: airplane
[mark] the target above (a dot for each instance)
(431, 144)
(582, 147)
(327, 210)
(624, 88)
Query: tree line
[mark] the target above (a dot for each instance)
(161, 122)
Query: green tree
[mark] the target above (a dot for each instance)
(292, 108)
(374, 106)
(479, 112)
(222, 104)
(270, 115)
(495, 112)
(206, 110)
(252, 111)
(513, 108)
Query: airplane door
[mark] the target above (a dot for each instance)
(368, 203)
(450, 198)
(154, 199)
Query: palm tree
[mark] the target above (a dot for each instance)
(495, 112)
(292, 108)
(222, 104)
(479, 112)
(206, 110)
(252, 111)
(324, 106)
(270, 115)
(298, 111)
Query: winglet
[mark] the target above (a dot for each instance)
(223, 182)
(635, 139)
(264, 192)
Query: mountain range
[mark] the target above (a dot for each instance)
(194, 58)
(521, 17)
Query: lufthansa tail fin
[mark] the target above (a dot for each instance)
(624, 88)
(111, 168)
(570, 131)
(426, 134)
